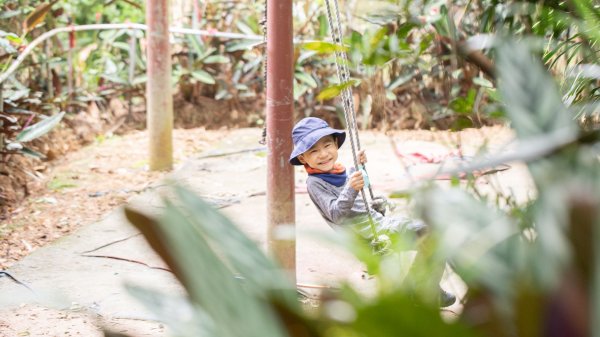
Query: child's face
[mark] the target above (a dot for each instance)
(322, 155)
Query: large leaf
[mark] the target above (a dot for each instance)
(241, 45)
(39, 129)
(335, 90)
(306, 78)
(208, 280)
(397, 314)
(215, 59)
(529, 93)
(178, 313)
(241, 252)
(591, 18)
(323, 47)
(203, 76)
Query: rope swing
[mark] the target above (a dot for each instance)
(341, 65)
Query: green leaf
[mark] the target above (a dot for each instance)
(244, 28)
(323, 47)
(39, 129)
(203, 76)
(241, 45)
(7, 14)
(299, 90)
(31, 153)
(483, 82)
(388, 315)
(529, 92)
(5, 44)
(208, 280)
(121, 45)
(177, 312)
(335, 90)
(18, 94)
(398, 81)
(139, 79)
(590, 13)
(240, 252)
(469, 239)
(306, 78)
(115, 78)
(215, 59)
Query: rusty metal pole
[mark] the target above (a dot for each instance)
(280, 119)
(159, 99)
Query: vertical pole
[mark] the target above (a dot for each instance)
(159, 99)
(280, 119)
(131, 75)
(49, 81)
(70, 64)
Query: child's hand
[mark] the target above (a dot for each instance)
(362, 157)
(356, 181)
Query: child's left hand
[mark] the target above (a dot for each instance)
(357, 181)
(362, 157)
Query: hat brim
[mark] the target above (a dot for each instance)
(312, 138)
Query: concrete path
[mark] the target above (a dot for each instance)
(83, 274)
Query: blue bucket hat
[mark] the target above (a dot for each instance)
(307, 133)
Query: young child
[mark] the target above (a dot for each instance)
(335, 191)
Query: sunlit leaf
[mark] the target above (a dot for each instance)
(216, 59)
(335, 90)
(39, 129)
(323, 47)
(203, 76)
(241, 45)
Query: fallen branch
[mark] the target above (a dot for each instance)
(3, 273)
(110, 244)
(223, 154)
(126, 260)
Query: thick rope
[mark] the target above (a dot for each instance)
(347, 103)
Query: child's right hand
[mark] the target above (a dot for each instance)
(356, 181)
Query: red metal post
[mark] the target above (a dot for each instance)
(159, 100)
(280, 119)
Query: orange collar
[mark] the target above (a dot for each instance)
(337, 169)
